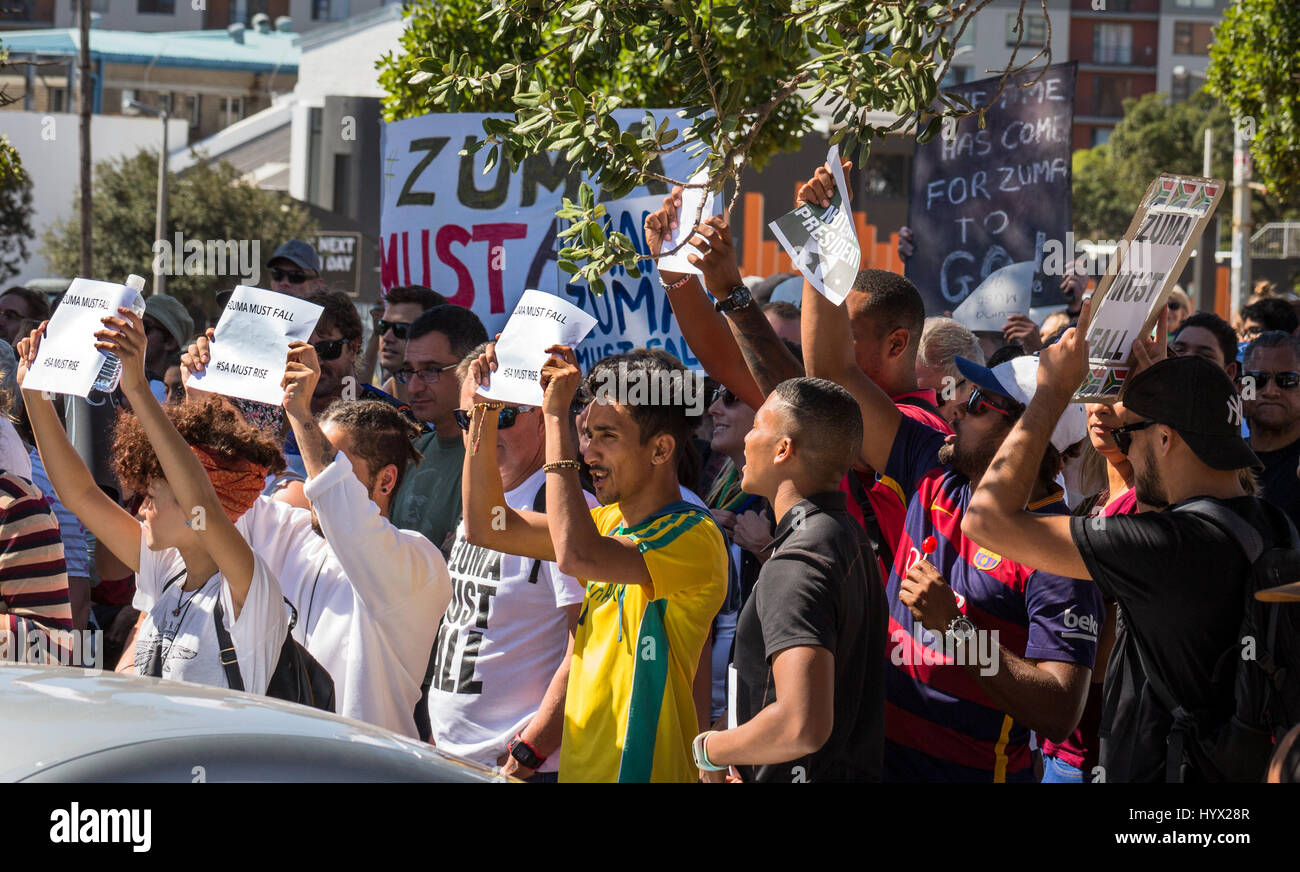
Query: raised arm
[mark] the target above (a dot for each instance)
(124, 336)
(488, 520)
(828, 347)
(72, 481)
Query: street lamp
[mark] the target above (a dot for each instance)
(160, 227)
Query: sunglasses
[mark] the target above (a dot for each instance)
(505, 418)
(1175, 306)
(978, 403)
(330, 349)
(1124, 435)
(428, 376)
(728, 398)
(399, 328)
(294, 277)
(1285, 380)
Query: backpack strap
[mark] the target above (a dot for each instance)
(1184, 722)
(229, 662)
(539, 505)
(1244, 533)
(870, 523)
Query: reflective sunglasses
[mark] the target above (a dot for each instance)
(1285, 380)
(1124, 435)
(505, 418)
(330, 349)
(428, 376)
(399, 328)
(294, 277)
(978, 403)
(729, 399)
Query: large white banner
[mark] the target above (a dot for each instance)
(482, 239)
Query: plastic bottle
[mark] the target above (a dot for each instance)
(110, 373)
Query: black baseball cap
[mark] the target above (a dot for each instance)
(1199, 401)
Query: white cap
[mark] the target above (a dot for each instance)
(1018, 379)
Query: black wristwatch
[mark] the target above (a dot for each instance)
(738, 299)
(523, 753)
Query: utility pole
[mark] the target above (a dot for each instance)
(84, 107)
(1241, 174)
(160, 229)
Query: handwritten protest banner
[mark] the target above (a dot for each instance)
(481, 240)
(1002, 294)
(987, 196)
(68, 362)
(251, 344)
(1168, 224)
(539, 321)
(823, 242)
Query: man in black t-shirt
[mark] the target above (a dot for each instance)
(1270, 387)
(810, 642)
(1178, 577)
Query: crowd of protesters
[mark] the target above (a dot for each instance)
(891, 549)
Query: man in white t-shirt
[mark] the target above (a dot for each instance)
(500, 666)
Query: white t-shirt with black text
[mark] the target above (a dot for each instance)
(179, 626)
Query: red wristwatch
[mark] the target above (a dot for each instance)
(524, 753)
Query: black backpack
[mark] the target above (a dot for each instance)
(297, 677)
(1267, 687)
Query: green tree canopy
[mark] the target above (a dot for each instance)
(1255, 70)
(15, 210)
(748, 74)
(207, 202)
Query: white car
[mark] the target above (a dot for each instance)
(66, 724)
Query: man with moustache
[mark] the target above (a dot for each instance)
(1270, 388)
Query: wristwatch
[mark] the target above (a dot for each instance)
(738, 298)
(524, 753)
(961, 630)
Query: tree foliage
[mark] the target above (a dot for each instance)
(1255, 70)
(748, 73)
(206, 202)
(15, 210)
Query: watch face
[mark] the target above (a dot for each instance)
(962, 628)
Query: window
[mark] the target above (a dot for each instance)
(1101, 135)
(1035, 30)
(1192, 37)
(155, 7)
(58, 99)
(955, 76)
(165, 102)
(1110, 92)
(1194, 4)
(1184, 85)
(1112, 44)
(193, 107)
(95, 5)
(232, 110)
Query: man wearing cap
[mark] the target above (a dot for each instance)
(168, 328)
(1177, 575)
(981, 649)
(295, 269)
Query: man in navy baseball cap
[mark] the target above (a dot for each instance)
(295, 269)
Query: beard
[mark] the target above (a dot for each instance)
(1148, 485)
(970, 460)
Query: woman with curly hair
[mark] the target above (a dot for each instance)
(199, 468)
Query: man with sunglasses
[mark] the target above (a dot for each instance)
(1270, 390)
(295, 269)
(401, 306)
(1176, 570)
(966, 717)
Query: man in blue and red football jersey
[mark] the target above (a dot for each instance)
(982, 650)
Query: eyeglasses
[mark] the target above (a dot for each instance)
(728, 398)
(330, 349)
(505, 418)
(1124, 435)
(399, 328)
(1285, 380)
(978, 403)
(428, 376)
(294, 277)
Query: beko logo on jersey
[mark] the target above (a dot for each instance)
(1080, 626)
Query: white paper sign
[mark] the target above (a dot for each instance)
(539, 321)
(823, 242)
(251, 344)
(686, 226)
(68, 362)
(1005, 292)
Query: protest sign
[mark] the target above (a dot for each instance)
(823, 242)
(481, 240)
(539, 321)
(1132, 294)
(251, 344)
(1002, 294)
(340, 260)
(686, 226)
(68, 362)
(985, 196)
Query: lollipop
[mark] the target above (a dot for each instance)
(928, 544)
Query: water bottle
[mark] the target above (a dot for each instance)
(110, 373)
